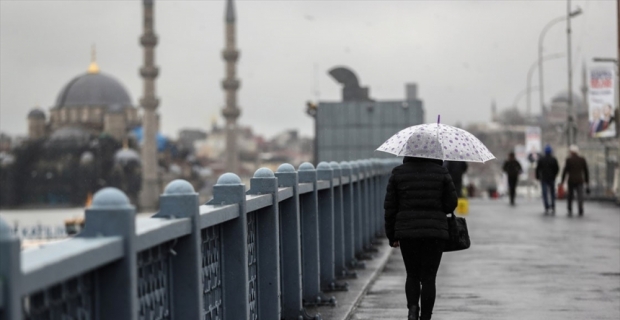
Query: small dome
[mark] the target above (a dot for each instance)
(87, 157)
(124, 156)
(93, 89)
(69, 134)
(36, 114)
(562, 97)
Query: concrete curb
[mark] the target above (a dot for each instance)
(348, 301)
(373, 278)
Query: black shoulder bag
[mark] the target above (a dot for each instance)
(459, 236)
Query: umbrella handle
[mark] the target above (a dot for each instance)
(438, 118)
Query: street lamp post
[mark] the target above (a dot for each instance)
(530, 73)
(571, 133)
(541, 37)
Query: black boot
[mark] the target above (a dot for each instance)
(414, 313)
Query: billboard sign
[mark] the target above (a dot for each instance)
(601, 102)
(533, 145)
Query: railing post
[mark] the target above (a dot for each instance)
(268, 245)
(357, 208)
(339, 261)
(290, 244)
(347, 215)
(365, 205)
(235, 286)
(111, 214)
(326, 225)
(372, 199)
(181, 201)
(10, 274)
(311, 259)
(378, 201)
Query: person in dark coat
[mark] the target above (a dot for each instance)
(456, 169)
(513, 169)
(419, 194)
(547, 170)
(576, 168)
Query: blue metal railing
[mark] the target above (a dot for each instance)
(261, 254)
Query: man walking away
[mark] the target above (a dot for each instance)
(456, 169)
(547, 171)
(577, 170)
(513, 169)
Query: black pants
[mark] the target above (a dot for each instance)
(512, 188)
(422, 258)
(572, 189)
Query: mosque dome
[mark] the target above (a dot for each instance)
(36, 114)
(562, 97)
(93, 89)
(124, 156)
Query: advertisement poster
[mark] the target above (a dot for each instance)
(601, 103)
(533, 145)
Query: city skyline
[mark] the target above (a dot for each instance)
(287, 48)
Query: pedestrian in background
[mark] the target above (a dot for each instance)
(419, 194)
(576, 168)
(547, 170)
(456, 169)
(513, 169)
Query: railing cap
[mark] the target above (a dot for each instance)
(345, 165)
(228, 179)
(110, 198)
(334, 165)
(263, 173)
(179, 186)
(306, 166)
(323, 166)
(286, 168)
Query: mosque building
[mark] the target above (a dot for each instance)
(92, 103)
(82, 146)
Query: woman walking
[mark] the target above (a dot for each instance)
(419, 194)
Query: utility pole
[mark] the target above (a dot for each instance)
(570, 131)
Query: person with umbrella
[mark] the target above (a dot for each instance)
(420, 193)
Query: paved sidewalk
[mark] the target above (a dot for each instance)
(522, 265)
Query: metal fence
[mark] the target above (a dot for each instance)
(261, 254)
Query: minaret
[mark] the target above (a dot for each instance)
(231, 85)
(584, 86)
(149, 194)
(493, 111)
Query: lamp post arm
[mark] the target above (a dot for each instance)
(530, 73)
(541, 37)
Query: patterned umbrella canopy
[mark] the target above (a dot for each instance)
(437, 141)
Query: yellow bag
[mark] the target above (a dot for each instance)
(462, 208)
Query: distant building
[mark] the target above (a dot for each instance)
(78, 149)
(91, 104)
(188, 137)
(353, 128)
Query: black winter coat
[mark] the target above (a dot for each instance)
(547, 168)
(419, 195)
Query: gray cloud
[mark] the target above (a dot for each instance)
(463, 54)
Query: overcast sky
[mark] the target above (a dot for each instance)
(462, 54)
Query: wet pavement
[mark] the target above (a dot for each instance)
(522, 265)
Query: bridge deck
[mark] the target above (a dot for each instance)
(522, 265)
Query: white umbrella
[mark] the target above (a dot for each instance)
(437, 141)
